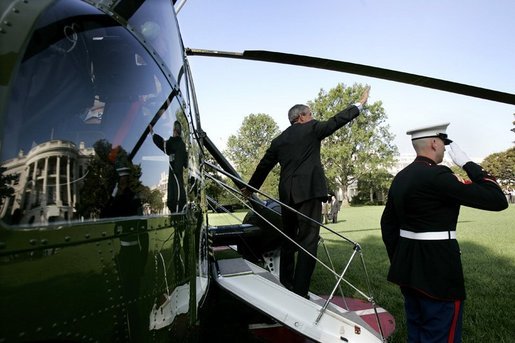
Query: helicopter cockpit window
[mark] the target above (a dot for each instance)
(81, 99)
(155, 21)
(168, 150)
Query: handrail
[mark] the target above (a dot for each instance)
(339, 277)
(240, 181)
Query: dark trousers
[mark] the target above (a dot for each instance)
(176, 194)
(297, 276)
(432, 321)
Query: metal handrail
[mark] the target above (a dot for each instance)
(339, 277)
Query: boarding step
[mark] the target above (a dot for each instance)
(263, 291)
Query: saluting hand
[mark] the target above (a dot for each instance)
(364, 96)
(458, 156)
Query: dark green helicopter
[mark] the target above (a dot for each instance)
(93, 245)
(89, 250)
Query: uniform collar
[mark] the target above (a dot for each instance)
(424, 159)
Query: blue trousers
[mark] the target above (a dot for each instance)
(432, 321)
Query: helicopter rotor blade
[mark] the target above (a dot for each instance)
(361, 69)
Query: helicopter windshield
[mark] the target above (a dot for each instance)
(86, 89)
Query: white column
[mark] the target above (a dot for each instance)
(33, 192)
(58, 182)
(44, 191)
(68, 182)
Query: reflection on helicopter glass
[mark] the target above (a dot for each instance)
(85, 89)
(175, 148)
(83, 189)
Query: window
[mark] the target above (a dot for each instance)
(79, 108)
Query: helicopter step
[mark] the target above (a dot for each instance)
(262, 290)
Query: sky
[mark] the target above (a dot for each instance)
(465, 41)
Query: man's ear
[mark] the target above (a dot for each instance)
(434, 144)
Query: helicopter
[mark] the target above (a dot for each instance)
(90, 250)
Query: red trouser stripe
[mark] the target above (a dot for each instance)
(452, 331)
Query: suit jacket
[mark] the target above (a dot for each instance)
(297, 150)
(426, 197)
(175, 148)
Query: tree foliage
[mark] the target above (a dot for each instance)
(101, 178)
(151, 198)
(373, 188)
(362, 150)
(502, 166)
(247, 147)
(216, 193)
(6, 181)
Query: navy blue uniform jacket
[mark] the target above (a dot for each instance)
(297, 150)
(426, 197)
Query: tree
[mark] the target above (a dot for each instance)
(213, 188)
(152, 198)
(101, 178)
(6, 181)
(214, 191)
(502, 166)
(98, 183)
(362, 149)
(373, 188)
(247, 147)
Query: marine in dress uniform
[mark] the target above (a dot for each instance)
(302, 186)
(132, 257)
(419, 231)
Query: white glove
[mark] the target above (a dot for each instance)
(457, 155)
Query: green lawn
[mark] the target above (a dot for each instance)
(487, 241)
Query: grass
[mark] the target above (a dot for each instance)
(487, 241)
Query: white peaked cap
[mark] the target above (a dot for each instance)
(430, 131)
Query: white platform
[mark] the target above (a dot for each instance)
(262, 290)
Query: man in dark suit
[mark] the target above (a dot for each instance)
(175, 148)
(419, 231)
(302, 186)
